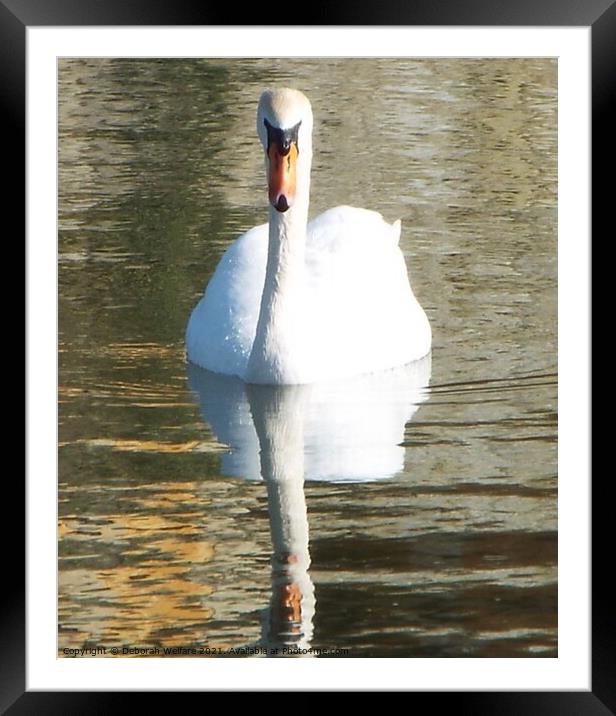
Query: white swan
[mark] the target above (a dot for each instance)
(293, 302)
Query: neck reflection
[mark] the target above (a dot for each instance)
(278, 417)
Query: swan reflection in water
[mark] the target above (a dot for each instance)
(346, 431)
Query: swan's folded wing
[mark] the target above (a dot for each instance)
(222, 326)
(345, 226)
(361, 292)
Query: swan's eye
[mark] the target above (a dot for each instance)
(282, 138)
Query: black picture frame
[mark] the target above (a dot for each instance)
(17, 15)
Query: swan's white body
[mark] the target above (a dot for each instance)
(293, 302)
(360, 315)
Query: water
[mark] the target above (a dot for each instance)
(427, 523)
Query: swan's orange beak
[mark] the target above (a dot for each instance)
(282, 175)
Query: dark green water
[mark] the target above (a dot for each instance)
(447, 546)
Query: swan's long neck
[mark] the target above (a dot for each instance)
(285, 256)
(277, 351)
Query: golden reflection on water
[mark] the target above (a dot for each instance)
(153, 446)
(134, 603)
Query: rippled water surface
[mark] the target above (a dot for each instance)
(412, 514)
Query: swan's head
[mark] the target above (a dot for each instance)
(284, 126)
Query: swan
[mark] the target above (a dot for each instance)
(297, 302)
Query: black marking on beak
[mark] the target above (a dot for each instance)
(282, 138)
(282, 204)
